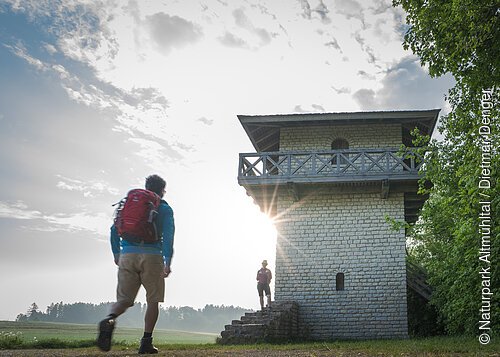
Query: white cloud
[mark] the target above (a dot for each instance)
(88, 189)
(18, 210)
(406, 85)
(51, 49)
(80, 26)
(138, 111)
(350, 8)
(21, 51)
(63, 73)
(97, 223)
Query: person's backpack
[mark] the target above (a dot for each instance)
(135, 218)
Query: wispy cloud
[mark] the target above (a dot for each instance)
(231, 40)
(365, 75)
(314, 108)
(342, 90)
(306, 8)
(321, 9)
(138, 111)
(97, 223)
(20, 51)
(79, 26)
(334, 44)
(18, 210)
(206, 121)
(50, 48)
(88, 189)
(244, 22)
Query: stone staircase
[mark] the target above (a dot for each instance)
(276, 324)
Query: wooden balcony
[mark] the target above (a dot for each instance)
(334, 166)
(353, 170)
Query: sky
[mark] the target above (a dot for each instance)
(97, 95)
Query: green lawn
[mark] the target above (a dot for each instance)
(28, 331)
(49, 335)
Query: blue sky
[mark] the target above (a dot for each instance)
(96, 95)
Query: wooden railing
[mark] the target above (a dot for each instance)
(327, 166)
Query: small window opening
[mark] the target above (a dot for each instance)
(340, 144)
(339, 282)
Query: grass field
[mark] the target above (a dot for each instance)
(30, 331)
(78, 341)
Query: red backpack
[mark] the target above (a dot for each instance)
(135, 216)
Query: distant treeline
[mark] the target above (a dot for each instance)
(211, 318)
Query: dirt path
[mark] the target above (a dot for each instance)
(314, 352)
(189, 353)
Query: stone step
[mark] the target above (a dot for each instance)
(253, 319)
(280, 323)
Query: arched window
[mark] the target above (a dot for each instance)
(340, 144)
(339, 282)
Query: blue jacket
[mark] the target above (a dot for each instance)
(165, 246)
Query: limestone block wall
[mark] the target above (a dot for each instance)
(328, 232)
(359, 136)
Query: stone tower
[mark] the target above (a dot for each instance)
(329, 181)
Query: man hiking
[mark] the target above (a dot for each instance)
(142, 245)
(264, 277)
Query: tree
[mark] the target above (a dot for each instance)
(33, 313)
(460, 37)
(209, 319)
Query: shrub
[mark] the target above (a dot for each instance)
(10, 340)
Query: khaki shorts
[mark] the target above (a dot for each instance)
(136, 269)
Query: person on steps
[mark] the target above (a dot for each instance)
(264, 277)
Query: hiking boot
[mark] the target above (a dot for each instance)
(106, 328)
(147, 346)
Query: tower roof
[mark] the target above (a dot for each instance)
(264, 130)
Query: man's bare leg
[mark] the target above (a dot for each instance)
(118, 308)
(152, 312)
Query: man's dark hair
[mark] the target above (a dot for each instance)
(156, 184)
